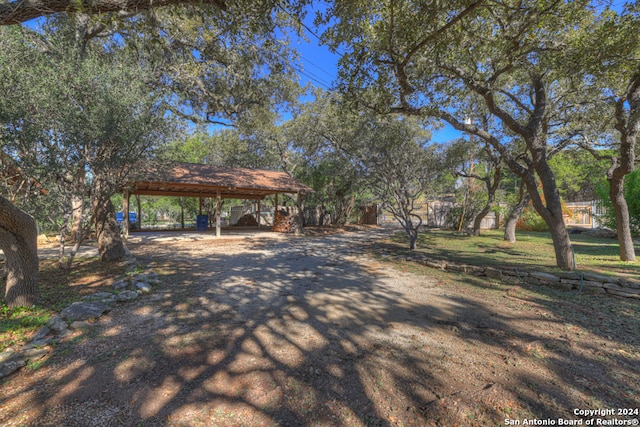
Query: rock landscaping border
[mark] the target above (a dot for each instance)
(569, 280)
(78, 315)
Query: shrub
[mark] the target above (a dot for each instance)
(531, 221)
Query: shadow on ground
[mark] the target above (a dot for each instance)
(308, 332)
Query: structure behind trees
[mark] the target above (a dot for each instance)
(213, 182)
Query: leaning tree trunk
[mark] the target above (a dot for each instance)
(550, 209)
(477, 221)
(629, 127)
(18, 241)
(492, 188)
(516, 212)
(623, 225)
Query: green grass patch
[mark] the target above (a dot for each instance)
(16, 325)
(532, 250)
(58, 288)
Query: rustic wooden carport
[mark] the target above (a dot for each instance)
(219, 182)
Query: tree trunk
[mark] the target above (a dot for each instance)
(63, 236)
(78, 179)
(110, 244)
(477, 221)
(512, 221)
(550, 209)
(623, 226)
(492, 188)
(18, 241)
(413, 238)
(628, 124)
(77, 206)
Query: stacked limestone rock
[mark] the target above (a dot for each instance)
(77, 316)
(587, 282)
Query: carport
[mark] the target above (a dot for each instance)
(218, 182)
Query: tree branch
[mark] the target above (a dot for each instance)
(19, 11)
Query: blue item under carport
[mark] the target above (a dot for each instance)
(202, 222)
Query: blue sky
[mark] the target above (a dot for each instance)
(319, 67)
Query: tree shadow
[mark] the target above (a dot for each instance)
(297, 332)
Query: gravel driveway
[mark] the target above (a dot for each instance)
(300, 331)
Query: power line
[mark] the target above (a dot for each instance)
(316, 36)
(316, 79)
(317, 66)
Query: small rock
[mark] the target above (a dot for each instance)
(545, 277)
(598, 277)
(57, 324)
(120, 284)
(144, 287)
(79, 324)
(35, 353)
(41, 333)
(629, 283)
(129, 260)
(493, 273)
(37, 344)
(6, 355)
(100, 296)
(127, 296)
(84, 310)
(11, 365)
(142, 277)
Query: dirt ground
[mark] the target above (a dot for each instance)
(324, 330)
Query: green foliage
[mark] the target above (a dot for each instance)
(577, 174)
(16, 324)
(230, 69)
(75, 111)
(531, 221)
(631, 195)
(322, 134)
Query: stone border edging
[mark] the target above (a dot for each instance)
(77, 315)
(569, 280)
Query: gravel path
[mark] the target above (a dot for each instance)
(297, 331)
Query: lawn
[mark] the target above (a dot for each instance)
(532, 250)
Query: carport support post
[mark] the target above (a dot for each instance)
(139, 214)
(182, 213)
(125, 214)
(258, 214)
(300, 229)
(275, 210)
(218, 207)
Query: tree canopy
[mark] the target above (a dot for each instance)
(456, 61)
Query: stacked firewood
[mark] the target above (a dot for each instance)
(247, 220)
(283, 222)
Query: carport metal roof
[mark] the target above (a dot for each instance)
(198, 180)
